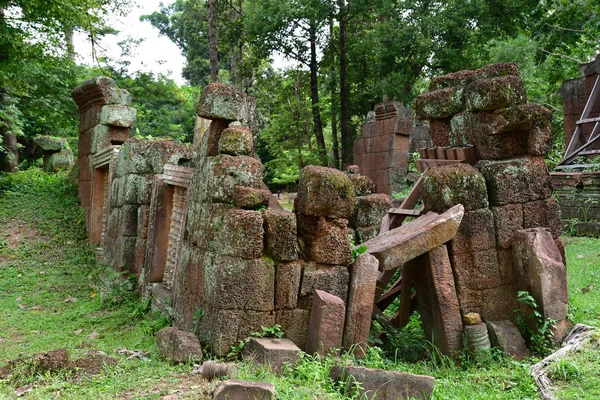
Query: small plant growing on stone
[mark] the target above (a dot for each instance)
(541, 336)
(355, 251)
(267, 332)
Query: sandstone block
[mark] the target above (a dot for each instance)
(539, 269)
(506, 265)
(99, 91)
(442, 103)
(236, 141)
(179, 346)
(225, 172)
(222, 102)
(60, 160)
(227, 327)
(250, 198)
(378, 384)
(324, 240)
(326, 324)
(395, 247)
(475, 233)
(287, 285)
(363, 234)
(544, 214)
(495, 93)
(478, 270)
(240, 234)
(363, 185)
(506, 336)
(117, 115)
(508, 220)
(518, 180)
(472, 319)
(281, 241)
(244, 284)
(272, 353)
(447, 186)
(324, 192)
(51, 144)
(352, 170)
(295, 325)
(369, 210)
(128, 220)
(440, 131)
(364, 273)
(244, 390)
(105, 136)
(330, 279)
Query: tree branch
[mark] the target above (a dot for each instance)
(561, 55)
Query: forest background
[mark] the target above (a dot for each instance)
(343, 57)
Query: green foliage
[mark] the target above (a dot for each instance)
(266, 332)
(564, 370)
(537, 330)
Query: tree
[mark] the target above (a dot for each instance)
(212, 41)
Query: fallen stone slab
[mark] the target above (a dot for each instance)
(506, 336)
(50, 143)
(377, 384)
(271, 352)
(178, 345)
(326, 324)
(244, 390)
(395, 247)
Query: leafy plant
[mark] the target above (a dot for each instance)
(565, 370)
(273, 331)
(537, 330)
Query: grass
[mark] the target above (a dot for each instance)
(45, 259)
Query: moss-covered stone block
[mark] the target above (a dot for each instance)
(236, 141)
(475, 233)
(369, 210)
(57, 161)
(518, 180)
(222, 102)
(223, 173)
(363, 185)
(51, 143)
(281, 241)
(99, 91)
(328, 278)
(117, 115)
(447, 186)
(240, 234)
(442, 103)
(324, 192)
(287, 284)
(250, 198)
(324, 240)
(495, 93)
(508, 219)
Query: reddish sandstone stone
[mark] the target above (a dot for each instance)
(236, 141)
(447, 186)
(273, 353)
(506, 336)
(440, 131)
(364, 273)
(543, 213)
(178, 345)
(250, 198)
(324, 240)
(495, 93)
(280, 234)
(506, 265)
(324, 192)
(478, 270)
(241, 390)
(475, 233)
(326, 323)
(328, 278)
(287, 284)
(225, 172)
(369, 210)
(363, 185)
(240, 234)
(295, 325)
(442, 103)
(508, 220)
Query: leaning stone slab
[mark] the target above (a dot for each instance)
(326, 323)
(506, 336)
(244, 390)
(273, 353)
(540, 270)
(363, 281)
(377, 384)
(178, 345)
(395, 247)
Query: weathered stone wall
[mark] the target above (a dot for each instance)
(575, 93)
(508, 190)
(578, 194)
(382, 150)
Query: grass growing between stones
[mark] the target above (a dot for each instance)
(52, 297)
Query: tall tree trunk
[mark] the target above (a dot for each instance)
(234, 69)
(334, 134)
(212, 41)
(9, 152)
(314, 95)
(69, 40)
(344, 89)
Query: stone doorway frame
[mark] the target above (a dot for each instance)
(171, 191)
(102, 176)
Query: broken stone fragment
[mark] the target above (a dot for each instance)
(379, 384)
(244, 390)
(472, 319)
(447, 186)
(495, 93)
(506, 336)
(539, 269)
(272, 353)
(364, 273)
(324, 192)
(117, 115)
(363, 185)
(395, 247)
(250, 198)
(50, 143)
(281, 240)
(326, 324)
(236, 141)
(179, 346)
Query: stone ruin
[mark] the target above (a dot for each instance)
(203, 234)
(217, 253)
(508, 239)
(578, 192)
(382, 149)
(56, 153)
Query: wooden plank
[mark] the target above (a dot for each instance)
(576, 139)
(466, 154)
(385, 300)
(383, 281)
(415, 194)
(423, 165)
(408, 271)
(403, 211)
(594, 136)
(575, 166)
(588, 121)
(589, 152)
